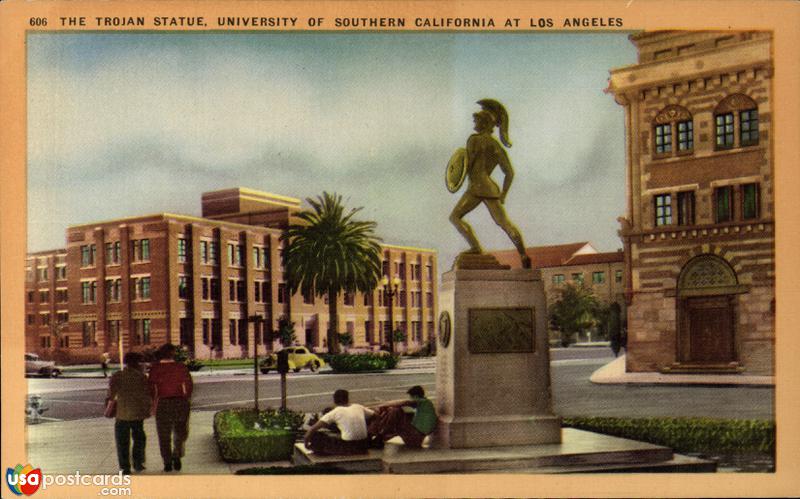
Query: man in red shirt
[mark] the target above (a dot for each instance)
(171, 386)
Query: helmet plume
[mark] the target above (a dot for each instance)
(500, 117)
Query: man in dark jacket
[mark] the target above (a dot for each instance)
(171, 386)
(129, 388)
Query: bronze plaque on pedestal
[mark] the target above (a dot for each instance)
(501, 330)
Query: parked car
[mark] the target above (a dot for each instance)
(34, 366)
(299, 357)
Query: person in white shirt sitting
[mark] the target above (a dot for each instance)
(351, 421)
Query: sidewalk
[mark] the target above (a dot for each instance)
(87, 445)
(614, 373)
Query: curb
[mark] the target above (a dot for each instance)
(614, 373)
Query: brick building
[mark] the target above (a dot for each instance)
(699, 228)
(576, 263)
(196, 280)
(46, 298)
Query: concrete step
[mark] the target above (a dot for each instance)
(703, 368)
(362, 463)
(579, 452)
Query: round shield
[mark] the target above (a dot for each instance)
(456, 170)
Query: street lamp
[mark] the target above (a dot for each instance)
(391, 291)
(256, 320)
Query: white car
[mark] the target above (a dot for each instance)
(34, 366)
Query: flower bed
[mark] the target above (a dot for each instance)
(243, 436)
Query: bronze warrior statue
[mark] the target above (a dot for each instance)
(483, 153)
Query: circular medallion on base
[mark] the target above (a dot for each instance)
(444, 328)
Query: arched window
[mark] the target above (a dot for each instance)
(706, 274)
(673, 130)
(736, 112)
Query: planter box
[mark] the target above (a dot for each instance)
(239, 442)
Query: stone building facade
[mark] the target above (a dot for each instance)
(195, 281)
(699, 226)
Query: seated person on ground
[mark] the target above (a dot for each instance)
(411, 419)
(350, 419)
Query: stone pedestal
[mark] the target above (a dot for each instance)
(493, 366)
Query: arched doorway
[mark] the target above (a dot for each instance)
(707, 289)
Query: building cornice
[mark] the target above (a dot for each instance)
(166, 217)
(717, 61)
(408, 248)
(702, 231)
(52, 252)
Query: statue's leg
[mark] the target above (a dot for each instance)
(500, 217)
(467, 203)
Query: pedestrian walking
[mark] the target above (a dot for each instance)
(129, 390)
(171, 387)
(104, 363)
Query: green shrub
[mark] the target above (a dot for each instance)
(360, 362)
(285, 332)
(346, 339)
(182, 355)
(427, 349)
(241, 440)
(194, 365)
(277, 418)
(687, 434)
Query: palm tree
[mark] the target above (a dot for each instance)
(328, 252)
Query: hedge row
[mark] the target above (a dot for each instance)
(243, 436)
(361, 362)
(687, 434)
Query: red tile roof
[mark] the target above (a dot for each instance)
(541, 256)
(590, 258)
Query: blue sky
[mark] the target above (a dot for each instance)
(131, 124)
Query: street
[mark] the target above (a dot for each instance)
(573, 393)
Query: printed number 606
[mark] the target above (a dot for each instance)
(38, 21)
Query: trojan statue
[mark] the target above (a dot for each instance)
(476, 163)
